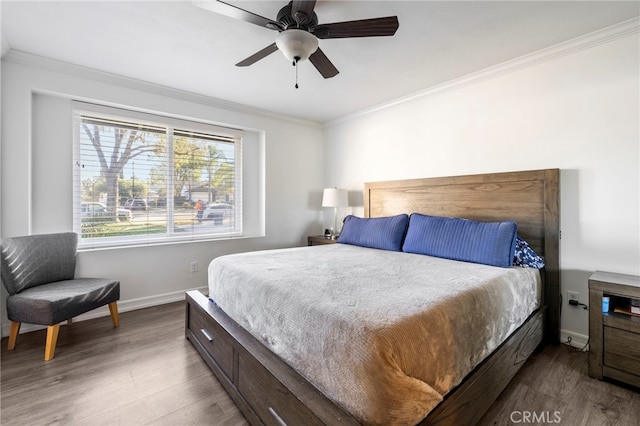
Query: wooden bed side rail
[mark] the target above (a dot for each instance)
(467, 403)
(253, 361)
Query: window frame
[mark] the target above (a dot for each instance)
(170, 123)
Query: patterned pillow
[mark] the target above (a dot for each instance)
(525, 256)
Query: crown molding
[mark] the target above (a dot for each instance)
(54, 65)
(596, 38)
(614, 32)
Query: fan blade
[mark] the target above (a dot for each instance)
(301, 11)
(323, 64)
(258, 55)
(374, 27)
(237, 13)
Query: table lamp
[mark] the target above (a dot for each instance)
(334, 197)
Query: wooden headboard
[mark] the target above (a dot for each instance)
(529, 198)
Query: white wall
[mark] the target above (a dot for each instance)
(578, 111)
(36, 163)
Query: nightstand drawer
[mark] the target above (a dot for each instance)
(622, 350)
(614, 337)
(314, 240)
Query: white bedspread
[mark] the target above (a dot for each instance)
(383, 334)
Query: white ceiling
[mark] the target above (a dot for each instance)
(176, 44)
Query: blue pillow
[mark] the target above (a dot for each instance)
(525, 256)
(489, 243)
(385, 233)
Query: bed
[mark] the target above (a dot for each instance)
(272, 389)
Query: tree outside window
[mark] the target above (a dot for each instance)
(157, 171)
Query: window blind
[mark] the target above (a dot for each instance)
(143, 179)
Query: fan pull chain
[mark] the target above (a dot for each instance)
(295, 64)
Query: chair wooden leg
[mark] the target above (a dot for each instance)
(113, 308)
(52, 339)
(13, 335)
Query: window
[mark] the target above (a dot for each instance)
(141, 178)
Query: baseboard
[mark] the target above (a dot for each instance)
(123, 306)
(578, 341)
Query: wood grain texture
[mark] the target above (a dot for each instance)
(517, 196)
(614, 350)
(146, 373)
(631, 323)
(595, 334)
(622, 350)
(143, 372)
(555, 380)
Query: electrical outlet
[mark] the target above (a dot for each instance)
(573, 295)
(194, 266)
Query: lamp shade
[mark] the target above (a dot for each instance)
(334, 197)
(297, 45)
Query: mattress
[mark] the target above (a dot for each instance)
(386, 335)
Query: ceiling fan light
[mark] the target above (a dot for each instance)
(296, 43)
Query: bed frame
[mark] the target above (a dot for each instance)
(268, 391)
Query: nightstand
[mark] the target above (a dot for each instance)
(614, 336)
(316, 240)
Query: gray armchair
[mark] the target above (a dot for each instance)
(38, 271)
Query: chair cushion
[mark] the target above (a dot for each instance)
(37, 259)
(53, 303)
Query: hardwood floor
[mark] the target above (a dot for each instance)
(554, 386)
(143, 373)
(147, 373)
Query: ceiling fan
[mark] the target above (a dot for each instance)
(299, 32)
